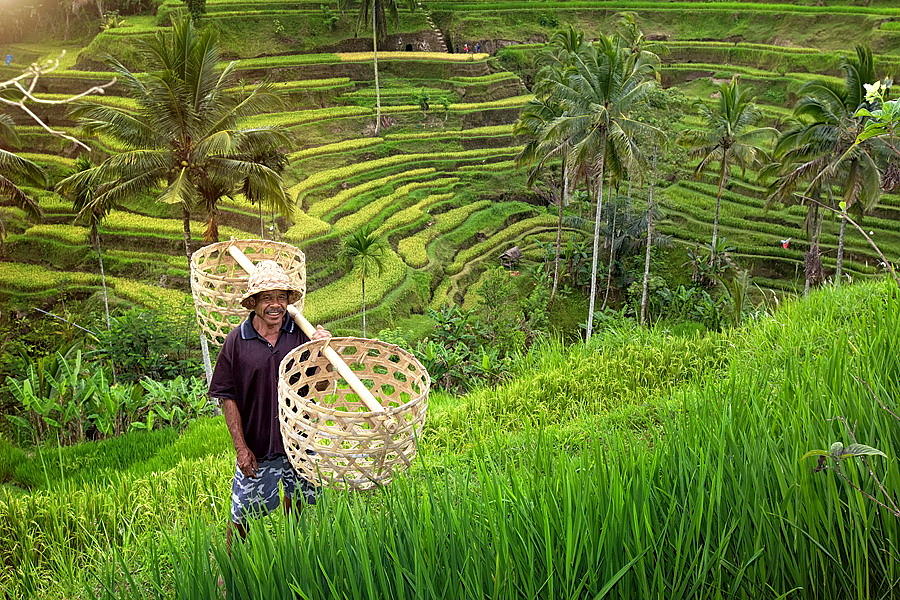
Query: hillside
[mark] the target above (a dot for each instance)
(438, 183)
(645, 463)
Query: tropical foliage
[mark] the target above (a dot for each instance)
(186, 133)
(729, 137)
(822, 149)
(363, 252)
(13, 166)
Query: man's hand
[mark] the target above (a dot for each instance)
(246, 462)
(321, 333)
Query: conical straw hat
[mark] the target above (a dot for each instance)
(269, 276)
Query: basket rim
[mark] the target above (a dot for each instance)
(367, 414)
(208, 248)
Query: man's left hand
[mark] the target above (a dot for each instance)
(321, 333)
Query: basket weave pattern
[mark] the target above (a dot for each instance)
(329, 435)
(218, 282)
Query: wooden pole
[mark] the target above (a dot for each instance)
(333, 357)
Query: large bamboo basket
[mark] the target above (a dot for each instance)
(218, 282)
(329, 434)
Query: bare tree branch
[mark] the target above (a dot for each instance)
(31, 76)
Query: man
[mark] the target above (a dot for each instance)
(246, 381)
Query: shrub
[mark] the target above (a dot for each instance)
(64, 399)
(196, 7)
(145, 343)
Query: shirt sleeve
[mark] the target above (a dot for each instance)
(222, 383)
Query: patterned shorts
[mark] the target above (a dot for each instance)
(258, 496)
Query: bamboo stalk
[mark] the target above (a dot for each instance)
(333, 357)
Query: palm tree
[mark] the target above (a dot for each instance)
(534, 122)
(185, 134)
(373, 11)
(363, 252)
(605, 83)
(277, 161)
(13, 167)
(729, 137)
(822, 148)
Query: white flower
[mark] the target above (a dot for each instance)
(873, 91)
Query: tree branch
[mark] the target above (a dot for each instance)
(34, 73)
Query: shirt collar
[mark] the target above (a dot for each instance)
(248, 332)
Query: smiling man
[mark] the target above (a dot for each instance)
(246, 380)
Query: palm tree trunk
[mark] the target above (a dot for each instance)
(645, 287)
(559, 221)
(715, 232)
(612, 257)
(596, 252)
(840, 252)
(186, 231)
(375, 63)
(813, 262)
(364, 306)
(262, 224)
(96, 235)
(212, 221)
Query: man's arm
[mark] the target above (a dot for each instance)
(222, 386)
(246, 461)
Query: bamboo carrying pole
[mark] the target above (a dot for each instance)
(333, 357)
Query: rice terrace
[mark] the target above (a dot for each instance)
(463, 299)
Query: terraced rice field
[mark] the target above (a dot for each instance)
(439, 184)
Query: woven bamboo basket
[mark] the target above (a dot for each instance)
(329, 434)
(218, 282)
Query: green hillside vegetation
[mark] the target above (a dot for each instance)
(552, 461)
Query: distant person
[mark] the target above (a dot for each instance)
(246, 380)
(477, 47)
(466, 47)
(8, 59)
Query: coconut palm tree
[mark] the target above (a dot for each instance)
(186, 134)
(605, 84)
(534, 123)
(821, 150)
(373, 12)
(14, 168)
(730, 137)
(363, 252)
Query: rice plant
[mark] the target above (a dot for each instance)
(716, 503)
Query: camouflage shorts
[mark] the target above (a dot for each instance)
(257, 496)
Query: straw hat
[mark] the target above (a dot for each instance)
(268, 276)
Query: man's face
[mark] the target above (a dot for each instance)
(270, 306)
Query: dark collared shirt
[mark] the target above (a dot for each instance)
(247, 372)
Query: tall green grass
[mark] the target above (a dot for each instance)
(716, 505)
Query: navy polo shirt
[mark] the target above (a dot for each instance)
(247, 372)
